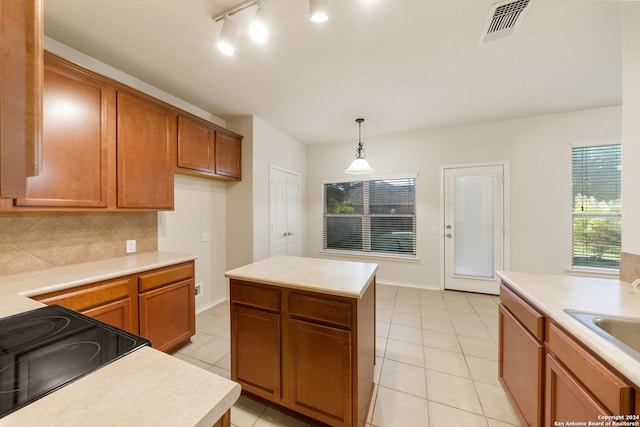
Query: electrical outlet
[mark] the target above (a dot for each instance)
(198, 289)
(131, 246)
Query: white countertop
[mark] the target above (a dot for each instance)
(145, 388)
(55, 279)
(552, 294)
(344, 278)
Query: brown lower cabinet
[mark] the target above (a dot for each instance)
(549, 376)
(308, 353)
(158, 304)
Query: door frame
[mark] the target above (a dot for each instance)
(506, 213)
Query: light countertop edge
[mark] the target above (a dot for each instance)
(343, 278)
(553, 293)
(59, 278)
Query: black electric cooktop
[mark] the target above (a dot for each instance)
(47, 348)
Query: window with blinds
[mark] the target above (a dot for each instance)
(596, 205)
(376, 216)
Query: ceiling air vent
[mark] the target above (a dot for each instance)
(505, 19)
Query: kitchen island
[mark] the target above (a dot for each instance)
(303, 336)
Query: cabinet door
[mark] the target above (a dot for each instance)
(320, 373)
(255, 351)
(167, 315)
(116, 314)
(228, 156)
(20, 92)
(74, 164)
(566, 397)
(195, 146)
(145, 138)
(521, 358)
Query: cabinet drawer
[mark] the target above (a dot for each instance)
(320, 310)
(532, 319)
(165, 276)
(255, 296)
(85, 297)
(612, 391)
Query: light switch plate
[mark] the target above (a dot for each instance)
(131, 246)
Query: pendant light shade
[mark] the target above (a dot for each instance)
(319, 10)
(360, 164)
(228, 36)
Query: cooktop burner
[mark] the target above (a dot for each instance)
(47, 348)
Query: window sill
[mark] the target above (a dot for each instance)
(372, 255)
(595, 272)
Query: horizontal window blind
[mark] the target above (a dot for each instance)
(376, 216)
(596, 205)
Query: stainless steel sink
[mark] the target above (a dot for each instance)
(624, 332)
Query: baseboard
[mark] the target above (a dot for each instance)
(422, 286)
(211, 304)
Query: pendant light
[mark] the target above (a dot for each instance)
(228, 36)
(360, 164)
(319, 10)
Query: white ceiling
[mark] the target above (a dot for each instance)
(401, 64)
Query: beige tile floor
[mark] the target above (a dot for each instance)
(437, 362)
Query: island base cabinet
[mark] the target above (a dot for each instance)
(224, 421)
(320, 371)
(255, 349)
(307, 353)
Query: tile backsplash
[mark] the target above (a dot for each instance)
(32, 241)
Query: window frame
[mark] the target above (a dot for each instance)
(583, 269)
(366, 219)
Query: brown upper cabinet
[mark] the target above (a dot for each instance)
(74, 168)
(21, 32)
(145, 139)
(195, 145)
(228, 155)
(207, 150)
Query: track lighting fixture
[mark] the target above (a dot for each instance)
(258, 28)
(319, 10)
(360, 164)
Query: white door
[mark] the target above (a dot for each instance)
(474, 228)
(284, 212)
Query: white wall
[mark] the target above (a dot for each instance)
(199, 207)
(240, 200)
(631, 128)
(269, 146)
(539, 152)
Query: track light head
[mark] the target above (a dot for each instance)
(259, 28)
(228, 36)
